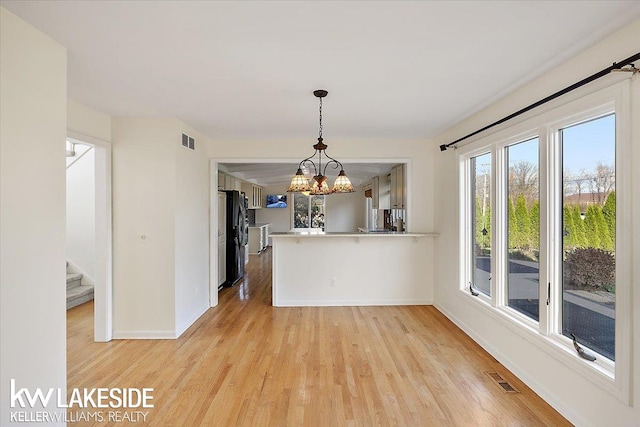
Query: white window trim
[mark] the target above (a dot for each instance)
(612, 377)
(501, 221)
(468, 229)
(309, 229)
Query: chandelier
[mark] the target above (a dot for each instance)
(319, 186)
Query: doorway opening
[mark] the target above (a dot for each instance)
(89, 229)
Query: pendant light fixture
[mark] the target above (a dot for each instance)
(319, 185)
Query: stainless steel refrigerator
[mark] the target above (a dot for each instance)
(237, 236)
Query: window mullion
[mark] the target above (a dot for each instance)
(623, 242)
(499, 226)
(554, 232)
(548, 167)
(467, 218)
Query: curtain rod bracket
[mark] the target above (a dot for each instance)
(630, 69)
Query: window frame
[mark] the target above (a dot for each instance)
(472, 228)
(502, 280)
(614, 377)
(468, 229)
(309, 229)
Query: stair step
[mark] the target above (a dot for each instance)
(73, 280)
(79, 295)
(73, 276)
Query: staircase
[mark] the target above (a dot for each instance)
(77, 293)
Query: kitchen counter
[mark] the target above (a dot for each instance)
(307, 234)
(258, 237)
(258, 224)
(374, 230)
(385, 231)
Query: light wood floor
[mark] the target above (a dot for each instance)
(248, 363)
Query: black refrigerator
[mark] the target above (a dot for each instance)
(237, 236)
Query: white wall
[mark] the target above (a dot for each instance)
(144, 191)
(345, 212)
(81, 213)
(191, 230)
(83, 120)
(280, 219)
(161, 228)
(32, 210)
(582, 402)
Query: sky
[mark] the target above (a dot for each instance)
(584, 145)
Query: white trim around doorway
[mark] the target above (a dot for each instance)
(103, 280)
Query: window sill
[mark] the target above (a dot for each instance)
(600, 374)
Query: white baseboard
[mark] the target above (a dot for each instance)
(185, 325)
(144, 335)
(521, 372)
(160, 335)
(351, 303)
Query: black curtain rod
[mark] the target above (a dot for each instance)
(615, 66)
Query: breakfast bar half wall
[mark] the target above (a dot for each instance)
(351, 269)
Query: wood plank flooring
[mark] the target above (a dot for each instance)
(250, 364)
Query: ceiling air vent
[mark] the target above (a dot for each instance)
(188, 142)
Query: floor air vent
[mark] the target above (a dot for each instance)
(504, 384)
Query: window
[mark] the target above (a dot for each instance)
(523, 228)
(589, 233)
(481, 220)
(544, 203)
(308, 212)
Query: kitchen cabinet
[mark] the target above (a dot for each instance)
(254, 194)
(233, 183)
(375, 193)
(221, 181)
(397, 190)
(228, 182)
(258, 238)
(384, 201)
(257, 196)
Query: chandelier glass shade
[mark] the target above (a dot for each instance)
(299, 183)
(318, 184)
(342, 184)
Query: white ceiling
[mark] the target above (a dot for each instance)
(242, 70)
(245, 70)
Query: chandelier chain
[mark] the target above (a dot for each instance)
(320, 134)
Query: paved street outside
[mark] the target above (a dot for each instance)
(589, 316)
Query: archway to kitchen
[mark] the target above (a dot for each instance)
(345, 212)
